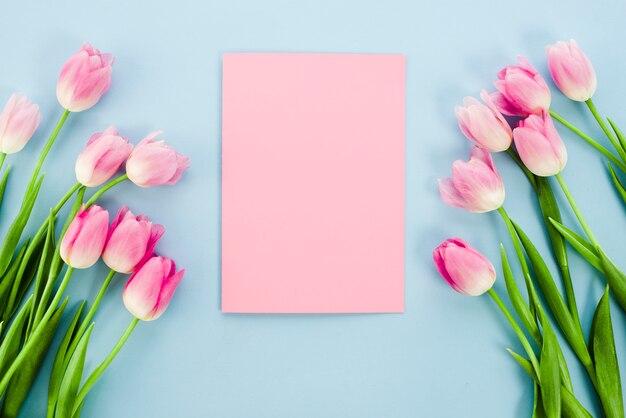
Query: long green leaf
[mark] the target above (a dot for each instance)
(3, 183)
(618, 184)
(524, 363)
(615, 278)
(549, 372)
(57, 367)
(605, 357)
(13, 338)
(6, 283)
(23, 379)
(72, 377)
(620, 135)
(538, 409)
(580, 244)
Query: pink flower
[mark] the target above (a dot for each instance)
(571, 70)
(521, 90)
(102, 158)
(153, 163)
(150, 289)
(131, 241)
(475, 185)
(18, 121)
(539, 145)
(84, 240)
(84, 78)
(465, 269)
(483, 124)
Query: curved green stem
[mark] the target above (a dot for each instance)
(576, 209)
(518, 247)
(608, 154)
(3, 157)
(609, 134)
(104, 188)
(47, 147)
(95, 375)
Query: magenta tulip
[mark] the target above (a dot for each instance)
(131, 241)
(483, 124)
(84, 78)
(84, 240)
(150, 289)
(571, 70)
(521, 90)
(539, 145)
(18, 121)
(465, 269)
(102, 157)
(153, 163)
(475, 185)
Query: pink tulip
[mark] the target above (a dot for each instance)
(475, 185)
(84, 78)
(131, 241)
(539, 145)
(84, 240)
(150, 289)
(102, 158)
(571, 70)
(521, 90)
(483, 124)
(465, 269)
(18, 121)
(153, 163)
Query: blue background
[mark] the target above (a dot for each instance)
(445, 356)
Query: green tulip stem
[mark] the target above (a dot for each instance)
(33, 340)
(518, 247)
(608, 154)
(518, 331)
(609, 134)
(95, 375)
(104, 188)
(576, 209)
(3, 157)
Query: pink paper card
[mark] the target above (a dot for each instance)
(313, 183)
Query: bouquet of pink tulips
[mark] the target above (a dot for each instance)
(529, 136)
(35, 271)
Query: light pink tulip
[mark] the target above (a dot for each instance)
(131, 241)
(150, 289)
(483, 124)
(153, 163)
(475, 185)
(84, 78)
(521, 90)
(18, 121)
(465, 269)
(571, 70)
(102, 157)
(84, 240)
(539, 145)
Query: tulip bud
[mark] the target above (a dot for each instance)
(521, 90)
(102, 157)
(84, 240)
(465, 269)
(153, 163)
(150, 289)
(84, 78)
(539, 145)
(131, 241)
(475, 185)
(483, 124)
(18, 121)
(571, 70)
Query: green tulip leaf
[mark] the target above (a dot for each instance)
(6, 283)
(524, 363)
(580, 244)
(3, 183)
(618, 184)
(13, 338)
(615, 278)
(538, 409)
(549, 371)
(602, 344)
(620, 135)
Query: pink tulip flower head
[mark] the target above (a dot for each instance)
(153, 163)
(539, 145)
(571, 70)
(84, 240)
(465, 269)
(18, 121)
(150, 289)
(521, 90)
(131, 241)
(102, 157)
(84, 78)
(483, 124)
(475, 185)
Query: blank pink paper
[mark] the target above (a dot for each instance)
(313, 183)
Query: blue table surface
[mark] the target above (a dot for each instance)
(445, 356)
